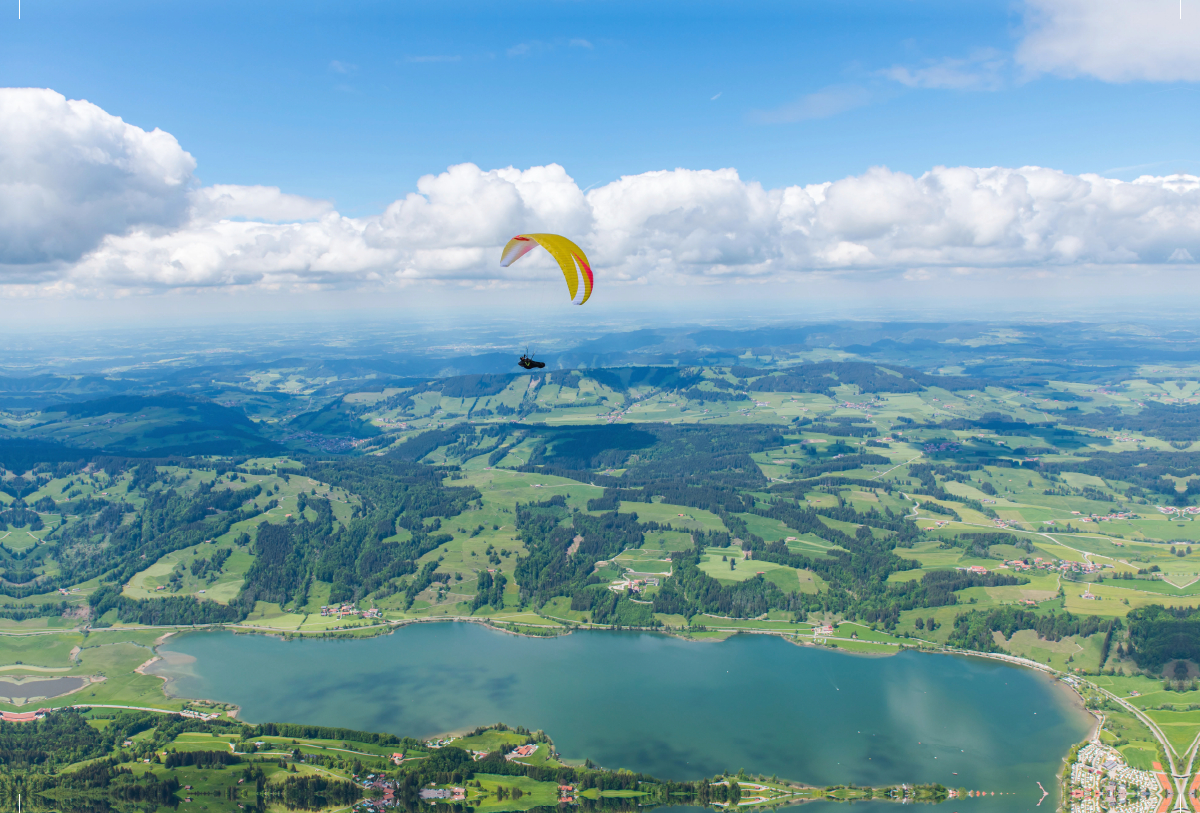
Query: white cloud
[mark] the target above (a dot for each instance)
(230, 202)
(983, 70)
(1112, 40)
(147, 227)
(342, 67)
(521, 49)
(70, 173)
(435, 58)
(580, 43)
(824, 103)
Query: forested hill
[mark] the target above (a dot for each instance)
(763, 492)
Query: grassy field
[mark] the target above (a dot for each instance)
(534, 793)
(109, 657)
(1061, 518)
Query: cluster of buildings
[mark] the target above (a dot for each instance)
(634, 585)
(1079, 567)
(1114, 515)
(199, 715)
(326, 443)
(526, 750)
(349, 609)
(439, 794)
(377, 782)
(1063, 566)
(1101, 781)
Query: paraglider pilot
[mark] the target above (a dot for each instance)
(530, 364)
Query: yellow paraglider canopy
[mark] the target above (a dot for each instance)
(570, 258)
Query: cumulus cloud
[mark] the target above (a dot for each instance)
(159, 230)
(70, 174)
(1113, 40)
(231, 202)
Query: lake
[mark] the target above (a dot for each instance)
(670, 707)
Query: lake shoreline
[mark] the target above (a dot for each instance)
(520, 630)
(320, 686)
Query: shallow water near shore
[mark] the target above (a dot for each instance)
(669, 707)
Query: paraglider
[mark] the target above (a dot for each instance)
(570, 257)
(529, 364)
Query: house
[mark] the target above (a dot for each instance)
(397, 757)
(979, 569)
(524, 751)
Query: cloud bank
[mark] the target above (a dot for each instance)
(90, 204)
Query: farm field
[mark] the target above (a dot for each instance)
(764, 496)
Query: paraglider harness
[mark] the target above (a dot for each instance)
(530, 364)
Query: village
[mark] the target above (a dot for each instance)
(349, 609)
(1038, 563)
(1100, 780)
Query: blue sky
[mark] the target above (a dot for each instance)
(876, 151)
(352, 101)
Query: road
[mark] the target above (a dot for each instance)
(1180, 779)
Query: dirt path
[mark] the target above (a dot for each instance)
(893, 468)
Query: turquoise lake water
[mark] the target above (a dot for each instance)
(669, 707)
